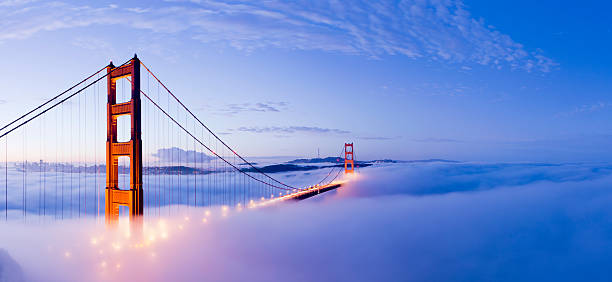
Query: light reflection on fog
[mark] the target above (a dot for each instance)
(427, 222)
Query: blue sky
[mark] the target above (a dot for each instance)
(473, 80)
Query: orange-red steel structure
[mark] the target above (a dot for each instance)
(115, 197)
(348, 158)
(229, 181)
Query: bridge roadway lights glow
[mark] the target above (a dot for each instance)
(111, 246)
(303, 194)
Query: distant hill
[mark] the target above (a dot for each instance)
(186, 170)
(341, 160)
(291, 167)
(284, 168)
(317, 160)
(430, 161)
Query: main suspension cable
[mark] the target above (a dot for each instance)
(50, 100)
(331, 170)
(56, 104)
(209, 149)
(217, 137)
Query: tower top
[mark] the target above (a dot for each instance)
(349, 159)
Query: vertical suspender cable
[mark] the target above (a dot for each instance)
(171, 131)
(84, 153)
(63, 157)
(45, 177)
(180, 162)
(25, 172)
(71, 159)
(234, 181)
(145, 176)
(96, 116)
(195, 180)
(40, 169)
(56, 149)
(39, 180)
(209, 175)
(168, 175)
(6, 178)
(79, 153)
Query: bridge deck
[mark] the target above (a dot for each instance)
(301, 195)
(313, 192)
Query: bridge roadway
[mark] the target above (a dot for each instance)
(301, 195)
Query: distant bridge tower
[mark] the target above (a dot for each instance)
(348, 158)
(115, 197)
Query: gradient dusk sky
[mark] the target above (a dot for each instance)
(474, 81)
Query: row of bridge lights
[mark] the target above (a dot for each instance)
(150, 237)
(153, 235)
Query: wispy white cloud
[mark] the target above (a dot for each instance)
(586, 108)
(292, 129)
(232, 109)
(9, 3)
(92, 43)
(428, 29)
(378, 138)
(437, 140)
(179, 155)
(591, 108)
(138, 10)
(439, 88)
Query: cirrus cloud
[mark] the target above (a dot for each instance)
(292, 129)
(435, 30)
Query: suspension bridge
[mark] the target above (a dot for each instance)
(158, 155)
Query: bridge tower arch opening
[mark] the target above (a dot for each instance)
(349, 161)
(131, 198)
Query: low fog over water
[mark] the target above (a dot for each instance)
(394, 222)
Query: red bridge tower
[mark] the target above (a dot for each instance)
(115, 197)
(348, 158)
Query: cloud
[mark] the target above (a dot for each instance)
(442, 31)
(448, 178)
(592, 108)
(438, 88)
(92, 43)
(378, 138)
(138, 10)
(175, 155)
(9, 268)
(292, 129)
(587, 108)
(10, 3)
(437, 140)
(375, 228)
(263, 107)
